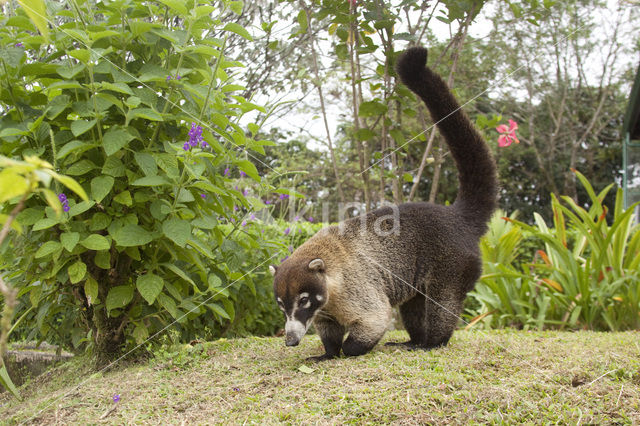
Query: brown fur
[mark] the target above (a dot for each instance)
(427, 267)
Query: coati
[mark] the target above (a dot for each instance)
(346, 278)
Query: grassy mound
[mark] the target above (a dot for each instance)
(487, 377)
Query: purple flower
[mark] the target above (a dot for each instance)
(235, 208)
(297, 218)
(285, 258)
(290, 249)
(267, 201)
(252, 217)
(283, 196)
(203, 195)
(178, 76)
(299, 231)
(233, 220)
(19, 44)
(204, 145)
(245, 192)
(63, 200)
(226, 172)
(195, 135)
(116, 398)
(286, 231)
(242, 174)
(168, 77)
(310, 219)
(186, 146)
(236, 389)
(244, 223)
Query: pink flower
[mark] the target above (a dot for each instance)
(507, 134)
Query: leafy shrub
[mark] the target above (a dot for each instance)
(586, 275)
(109, 98)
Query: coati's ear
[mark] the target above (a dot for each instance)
(316, 265)
(272, 269)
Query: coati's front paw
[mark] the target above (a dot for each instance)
(320, 358)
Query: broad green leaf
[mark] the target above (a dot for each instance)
(91, 289)
(119, 297)
(72, 185)
(238, 29)
(100, 187)
(79, 127)
(236, 6)
(96, 242)
(176, 5)
(102, 259)
(124, 198)
(28, 217)
(149, 286)
(147, 163)
(6, 381)
(145, 113)
(302, 21)
(77, 272)
(83, 55)
(115, 139)
(248, 167)
(44, 224)
(150, 181)
(37, 12)
(48, 248)
(372, 108)
(140, 333)
(177, 230)
(69, 72)
(219, 310)
(11, 185)
(113, 167)
(117, 87)
(80, 208)
(132, 235)
(75, 146)
(169, 304)
(80, 168)
(69, 240)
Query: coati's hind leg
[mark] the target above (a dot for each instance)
(442, 320)
(331, 333)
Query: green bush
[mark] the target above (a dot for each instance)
(586, 276)
(109, 98)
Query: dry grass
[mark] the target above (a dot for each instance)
(495, 377)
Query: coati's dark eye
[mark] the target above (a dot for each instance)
(303, 301)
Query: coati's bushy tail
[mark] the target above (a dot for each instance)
(477, 197)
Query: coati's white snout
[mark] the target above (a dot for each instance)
(294, 330)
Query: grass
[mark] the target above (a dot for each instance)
(481, 377)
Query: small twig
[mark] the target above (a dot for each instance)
(109, 411)
(619, 395)
(600, 377)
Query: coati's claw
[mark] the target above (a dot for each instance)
(319, 358)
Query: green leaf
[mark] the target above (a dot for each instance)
(177, 230)
(306, 370)
(74, 146)
(248, 167)
(77, 272)
(150, 181)
(149, 286)
(11, 185)
(176, 5)
(69, 72)
(132, 235)
(72, 185)
(83, 55)
(79, 127)
(407, 177)
(96, 242)
(80, 168)
(146, 162)
(100, 187)
(372, 108)
(91, 289)
(102, 259)
(236, 6)
(115, 139)
(37, 12)
(117, 87)
(119, 297)
(48, 248)
(44, 224)
(219, 310)
(113, 167)
(69, 240)
(169, 304)
(123, 198)
(365, 134)
(6, 381)
(80, 208)
(146, 113)
(302, 21)
(238, 29)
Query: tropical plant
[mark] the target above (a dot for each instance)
(586, 275)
